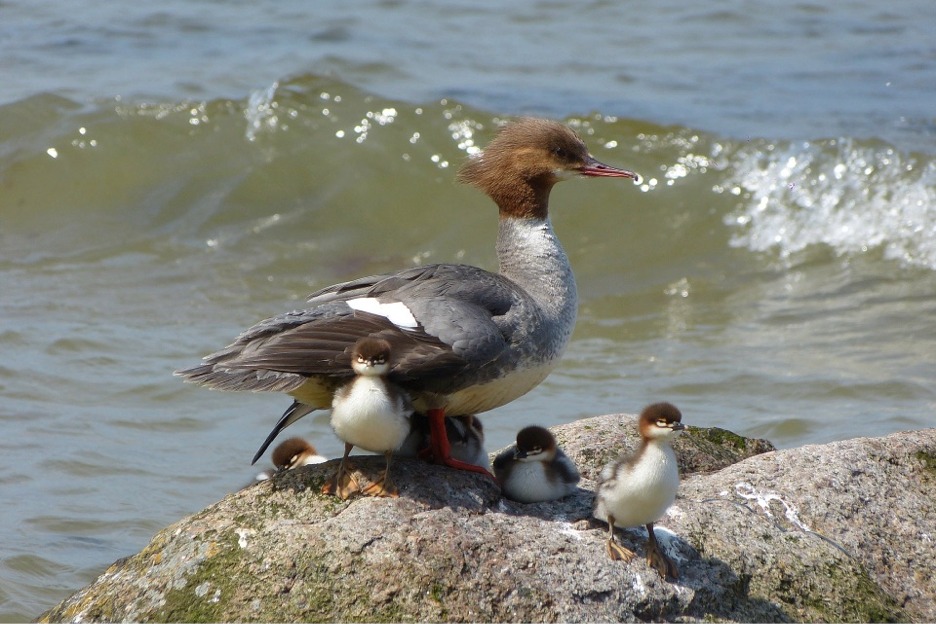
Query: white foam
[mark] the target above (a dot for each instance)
(850, 195)
(395, 312)
(261, 112)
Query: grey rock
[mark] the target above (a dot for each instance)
(839, 532)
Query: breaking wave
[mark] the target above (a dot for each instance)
(851, 196)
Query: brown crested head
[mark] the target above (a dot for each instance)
(533, 440)
(371, 351)
(522, 163)
(288, 453)
(660, 420)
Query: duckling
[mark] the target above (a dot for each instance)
(638, 489)
(292, 453)
(369, 412)
(535, 469)
(465, 435)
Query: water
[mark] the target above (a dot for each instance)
(171, 174)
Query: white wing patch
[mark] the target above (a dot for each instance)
(395, 312)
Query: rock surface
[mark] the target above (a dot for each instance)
(839, 532)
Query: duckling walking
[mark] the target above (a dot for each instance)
(637, 489)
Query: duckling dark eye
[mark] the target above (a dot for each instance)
(560, 152)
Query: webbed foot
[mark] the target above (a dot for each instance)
(657, 559)
(342, 484)
(383, 488)
(618, 552)
(615, 550)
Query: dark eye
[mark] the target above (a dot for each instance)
(560, 152)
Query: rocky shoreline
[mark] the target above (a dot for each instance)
(836, 532)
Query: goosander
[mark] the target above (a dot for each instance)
(371, 413)
(465, 340)
(535, 469)
(292, 453)
(465, 436)
(637, 489)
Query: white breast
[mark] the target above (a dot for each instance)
(641, 493)
(484, 397)
(528, 482)
(366, 414)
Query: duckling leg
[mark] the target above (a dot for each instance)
(657, 559)
(615, 550)
(441, 449)
(342, 484)
(383, 486)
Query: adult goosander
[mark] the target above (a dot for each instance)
(637, 489)
(292, 453)
(535, 469)
(465, 436)
(371, 413)
(465, 340)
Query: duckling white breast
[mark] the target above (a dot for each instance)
(532, 482)
(369, 415)
(639, 493)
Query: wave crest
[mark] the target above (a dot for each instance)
(849, 195)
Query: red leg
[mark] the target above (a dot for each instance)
(440, 447)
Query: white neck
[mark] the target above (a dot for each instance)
(530, 254)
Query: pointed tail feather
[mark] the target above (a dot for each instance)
(295, 411)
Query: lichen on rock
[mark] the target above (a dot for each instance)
(759, 535)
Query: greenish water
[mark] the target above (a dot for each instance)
(768, 277)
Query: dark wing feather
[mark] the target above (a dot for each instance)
(268, 360)
(461, 311)
(218, 378)
(504, 458)
(567, 468)
(465, 307)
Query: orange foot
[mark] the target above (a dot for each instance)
(342, 484)
(618, 552)
(615, 550)
(657, 559)
(441, 449)
(382, 487)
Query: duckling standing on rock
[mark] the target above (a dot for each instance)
(637, 489)
(292, 453)
(535, 469)
(369, 412)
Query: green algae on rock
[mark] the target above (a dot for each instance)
(778, 536)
